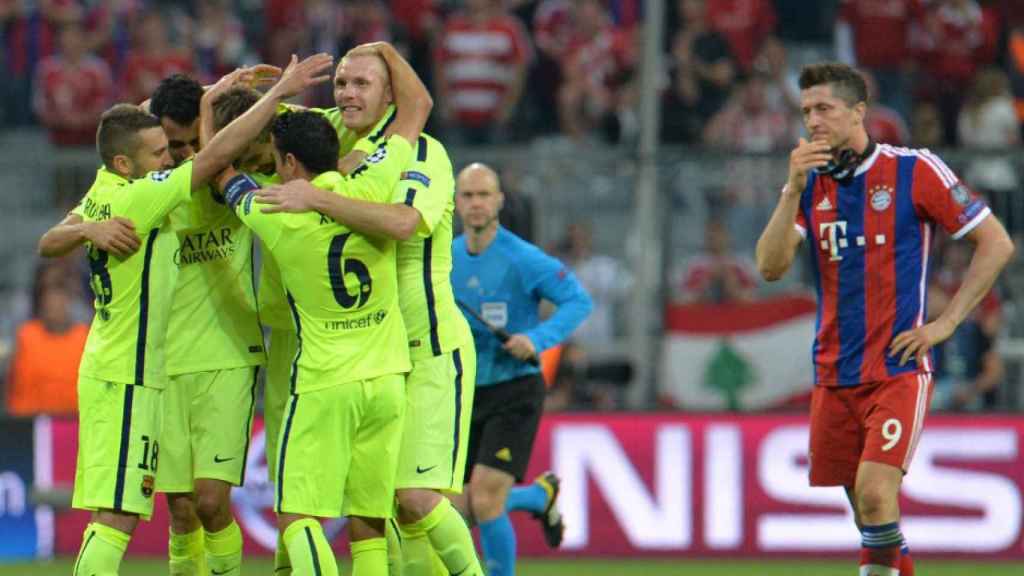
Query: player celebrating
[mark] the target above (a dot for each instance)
(211, 363)
(347, 385)
(869, 210)
(503, 278)
(123, 371)
(419, 216)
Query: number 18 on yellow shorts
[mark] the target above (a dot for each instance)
(338, 449)
(118, 446)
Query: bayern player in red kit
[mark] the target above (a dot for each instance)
(869, 212)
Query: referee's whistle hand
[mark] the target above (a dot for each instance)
(520, 346)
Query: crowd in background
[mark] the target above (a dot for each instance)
(941, 73)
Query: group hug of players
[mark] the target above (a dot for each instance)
(371, 366)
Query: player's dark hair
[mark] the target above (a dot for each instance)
(231, 104)
(846, 82)
(177, 97)
(309, 137)
(118, 132)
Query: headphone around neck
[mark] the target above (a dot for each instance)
(845, 163)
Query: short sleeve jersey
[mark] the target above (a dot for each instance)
(432, 319)
(213, 323)
(341, 287)
(126, 341)
(870, 237)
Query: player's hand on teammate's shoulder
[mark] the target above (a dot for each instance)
(916, 343)
(296, 196)
(520, 346)
(302, 74)
(804, 158)
(116, 236)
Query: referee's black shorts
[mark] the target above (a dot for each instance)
(506, 416)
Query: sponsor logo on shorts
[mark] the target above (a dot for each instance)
(147, 485)
(505, 455)
(421, 470)
(219, 460)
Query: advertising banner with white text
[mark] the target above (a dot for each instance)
(699, 485)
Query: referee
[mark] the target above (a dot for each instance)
(502, 278)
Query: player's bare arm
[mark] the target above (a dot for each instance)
(232, 140)
(395, 221)
(258, 76)
(993, 249)
(777, 246)
(116, 236)
(412, 100)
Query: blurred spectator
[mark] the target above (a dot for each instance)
(480, 61)
(873, 35)
(48, 347)
(72, 89)
(596, 65)
(801, 22)
(29, 36)
(371, 21)
(718, 275)
(926, 129)
(152, 59)
(421, 21)
(702, 72)
(219, 40)
(968, 367)
(749, 122)
(988, 121)
(957, 38)
(553, 27)
(883, 123)
(607, 281)
(110, 23)
(745, 24)
(1015, 67)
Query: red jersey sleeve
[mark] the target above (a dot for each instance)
(940, 197)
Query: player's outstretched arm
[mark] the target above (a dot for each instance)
(412, 99)
(394, 221)
(993, 250)
(232, 140)
(116, 236)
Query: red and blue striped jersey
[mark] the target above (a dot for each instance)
(870, 238)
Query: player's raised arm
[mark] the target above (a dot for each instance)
(234, 138)
(777, 246)
(412, 100)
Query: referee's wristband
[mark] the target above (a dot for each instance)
(238, 187)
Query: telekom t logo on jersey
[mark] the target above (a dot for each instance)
(833, 237)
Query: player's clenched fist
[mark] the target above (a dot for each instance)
(804, 158)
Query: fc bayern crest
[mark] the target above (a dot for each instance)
(881, 198)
